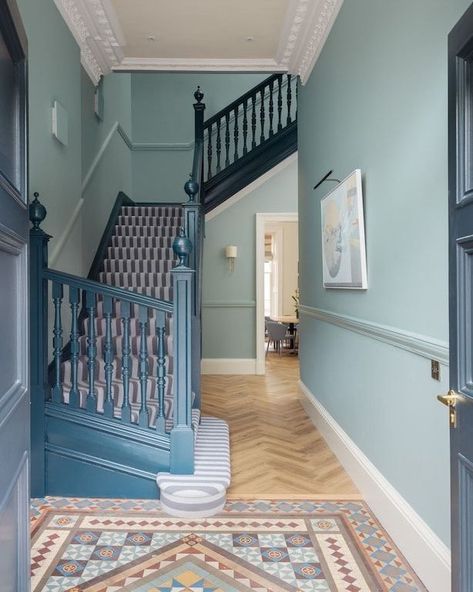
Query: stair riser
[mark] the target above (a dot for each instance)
(147, 242)
(138, 266)
(128, 253)
(135, 280)
(117, 345)
(143, 231)
(135, 329)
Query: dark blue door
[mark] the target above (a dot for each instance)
(14, 395)
(460, 397)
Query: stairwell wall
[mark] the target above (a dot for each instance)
(163, 126)
(229, 298)
(382, 107)
(54, 170)
(106, 156)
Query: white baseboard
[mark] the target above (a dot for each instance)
(427, 554)
(228, 366)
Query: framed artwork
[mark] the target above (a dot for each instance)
(343, 236)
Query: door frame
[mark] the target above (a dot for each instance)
(261, 220)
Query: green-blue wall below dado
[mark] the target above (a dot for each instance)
(377, 100)
(229, 298)
(163, 126)
(54, 169)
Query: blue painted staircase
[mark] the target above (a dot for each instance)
(115, 358)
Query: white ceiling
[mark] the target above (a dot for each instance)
(211, 35)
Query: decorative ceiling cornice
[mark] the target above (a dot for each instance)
(202, 65)
(307, 26)
(97, 31)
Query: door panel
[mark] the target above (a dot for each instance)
(460, 69)
(14, 393)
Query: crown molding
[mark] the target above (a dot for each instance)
(96, 29)
(304, 33)
(205, 65)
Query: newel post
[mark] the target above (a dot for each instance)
(193, 230)
(199, 109)
(38, 343)
(182, 433)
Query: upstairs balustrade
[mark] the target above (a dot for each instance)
(249, 122)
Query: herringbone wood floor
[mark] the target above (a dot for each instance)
(274, 446)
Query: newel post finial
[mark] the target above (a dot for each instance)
(191, 188)
(182, 247)
(198, 95)
(37, 212)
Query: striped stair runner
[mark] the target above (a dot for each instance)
(202, 494)
(140, 258)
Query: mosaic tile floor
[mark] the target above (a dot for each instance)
(83, 545)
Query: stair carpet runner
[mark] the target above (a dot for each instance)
(140, 258)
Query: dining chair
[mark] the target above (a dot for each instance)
(277, 333)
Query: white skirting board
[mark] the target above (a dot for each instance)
(427, 554)
(228, 366)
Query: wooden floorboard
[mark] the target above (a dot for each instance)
(276, 451)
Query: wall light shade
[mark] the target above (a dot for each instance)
(60, 124)
(231, 253)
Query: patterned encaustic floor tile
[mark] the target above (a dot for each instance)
(91, 545)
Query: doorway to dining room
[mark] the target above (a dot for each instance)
(277, 281)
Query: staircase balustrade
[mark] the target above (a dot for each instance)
(101, 370)
(259, 130)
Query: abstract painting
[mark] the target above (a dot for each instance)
(343, 236)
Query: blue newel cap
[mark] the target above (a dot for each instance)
(182, 247)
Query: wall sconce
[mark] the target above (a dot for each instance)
(231, 253)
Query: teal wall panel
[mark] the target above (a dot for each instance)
(230, 332)
(377, 100)
(54, 74)
(104, 177)
(163, 114)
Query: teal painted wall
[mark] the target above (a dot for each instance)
(377, 100)
(54, 74)
(162, 113)
(106, 158)
(229, 299)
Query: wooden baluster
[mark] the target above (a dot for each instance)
(289, 99)
(271, 108)
(143, 419)
(262, 115)
(236, 133)
(91, 403)
(126, 351)
(58, 294)
(219, 146)
(227, 139)
(74, 301)
(279, 102)
(161, 371)
(209, 152)
(245, 127)
(253, 121)
(108, 353)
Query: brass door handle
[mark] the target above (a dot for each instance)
(450, 400)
